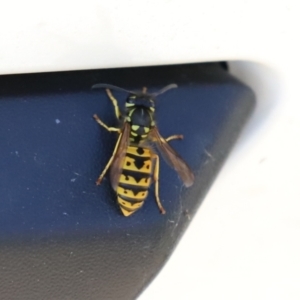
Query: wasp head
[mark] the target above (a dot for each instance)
(142, 100)
(139, 106)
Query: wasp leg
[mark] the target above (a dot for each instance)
(174, 137)
(115, 104)
(105, 126)
(156, 179)
(109, 162)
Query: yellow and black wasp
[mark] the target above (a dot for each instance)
(134, 165)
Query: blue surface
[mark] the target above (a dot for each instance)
(52, 152)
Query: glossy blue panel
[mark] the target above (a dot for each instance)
(52, 151)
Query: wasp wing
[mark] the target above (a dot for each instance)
(173, 158)
(117, 164)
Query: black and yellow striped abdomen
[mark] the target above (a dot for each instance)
(135, 179)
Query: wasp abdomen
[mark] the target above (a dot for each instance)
(135, 179)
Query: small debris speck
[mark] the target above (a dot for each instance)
(209, 155)
(57, 121)
(262, 160)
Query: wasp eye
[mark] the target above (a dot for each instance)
(131, 99)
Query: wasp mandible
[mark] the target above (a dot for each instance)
(134, 165)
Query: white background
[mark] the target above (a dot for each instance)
(244, 242)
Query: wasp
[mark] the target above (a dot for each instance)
(134, 165)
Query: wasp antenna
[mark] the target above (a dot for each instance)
(112, 87)
(166, 88)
